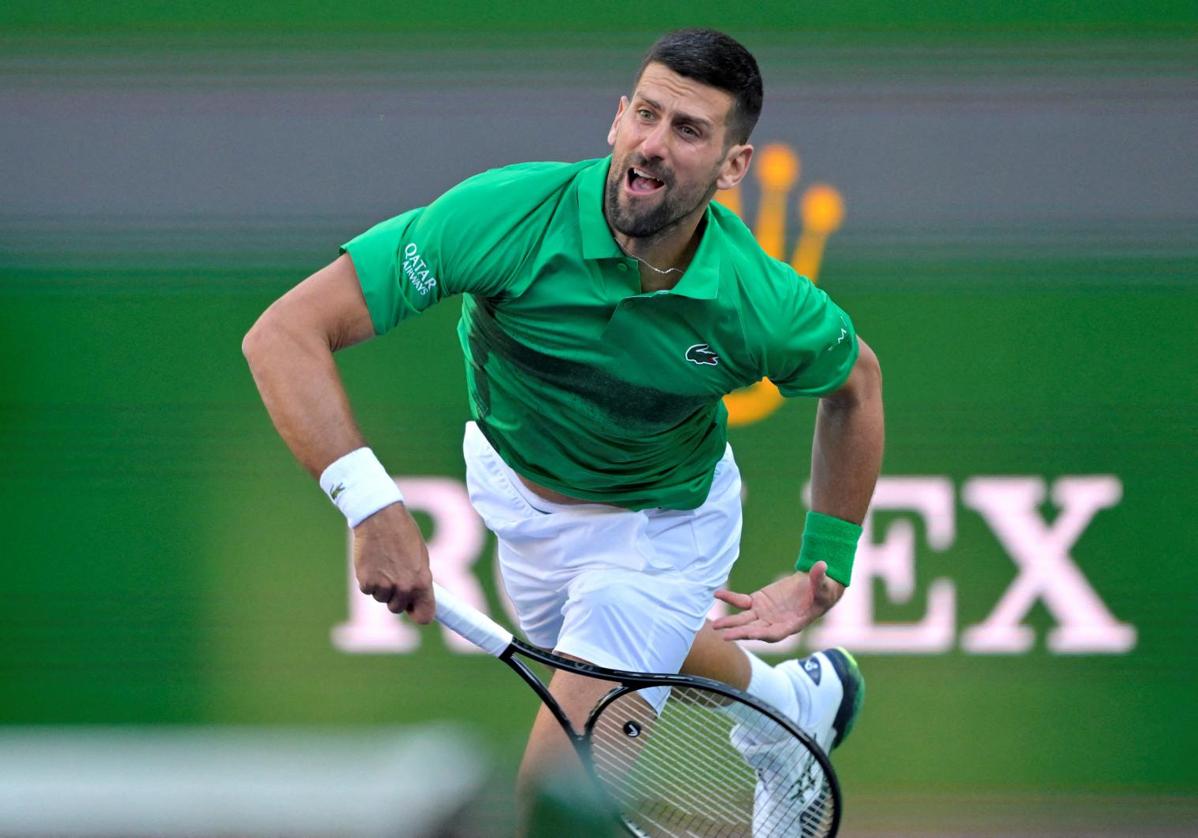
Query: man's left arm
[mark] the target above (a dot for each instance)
(846, 457)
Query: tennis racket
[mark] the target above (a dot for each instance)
(678, 755)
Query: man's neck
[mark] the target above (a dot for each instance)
(663, 259)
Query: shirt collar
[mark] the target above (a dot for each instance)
(701, 281)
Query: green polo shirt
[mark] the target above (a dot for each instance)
(582, 383)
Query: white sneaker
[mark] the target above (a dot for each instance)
(830, 691)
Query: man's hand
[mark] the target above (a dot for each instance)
(779, 610)
(391, 562)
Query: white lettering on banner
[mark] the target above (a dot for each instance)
(1046, 570)
(457, 540)
(891, 560)
(885, 565)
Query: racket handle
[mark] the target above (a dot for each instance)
(457, 614)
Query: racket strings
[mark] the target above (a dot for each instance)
(727, 776)
(655, 793)
(703, 747)
(702, 744)
(696, 796)
(708, 767)
(651, 794)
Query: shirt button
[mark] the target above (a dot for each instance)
(622, 266)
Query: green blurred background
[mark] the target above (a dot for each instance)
(1020, 246)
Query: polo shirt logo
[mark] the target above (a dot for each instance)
(701, 353)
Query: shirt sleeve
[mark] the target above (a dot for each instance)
(816, 348)
(411, 261)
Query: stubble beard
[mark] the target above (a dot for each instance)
(654, 222)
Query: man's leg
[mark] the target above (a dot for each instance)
(711, 656)
(549, 752)
(551, 767)
(822, 692)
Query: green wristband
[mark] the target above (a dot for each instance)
(830, 540)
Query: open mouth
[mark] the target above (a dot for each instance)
(641, 182)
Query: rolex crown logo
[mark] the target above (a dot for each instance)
(821, 210)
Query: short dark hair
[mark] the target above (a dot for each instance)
(717, 60)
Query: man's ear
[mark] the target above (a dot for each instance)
(611, 134)
(735, 166)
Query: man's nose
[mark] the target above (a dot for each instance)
(655, 142)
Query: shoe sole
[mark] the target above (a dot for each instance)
(853, 682)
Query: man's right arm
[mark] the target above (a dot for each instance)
(290, 352)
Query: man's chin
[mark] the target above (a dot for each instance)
(640, 216)
(637, 221)
(637, 228)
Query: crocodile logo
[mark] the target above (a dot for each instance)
(701, 353)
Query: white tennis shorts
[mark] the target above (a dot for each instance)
(621, 589)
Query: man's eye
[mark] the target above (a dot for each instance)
(688, 131)
(644, 114)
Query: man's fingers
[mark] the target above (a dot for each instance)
(423, 607)
(398, 602)
(416, 600)
(757, 631)
(817, 573)
(733, 620)
(733, 598)
(382, 593)
(732, 635)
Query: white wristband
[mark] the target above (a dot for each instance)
(359, 485)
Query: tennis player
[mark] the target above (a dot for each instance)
(608, 306)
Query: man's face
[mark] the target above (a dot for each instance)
(668, 153)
